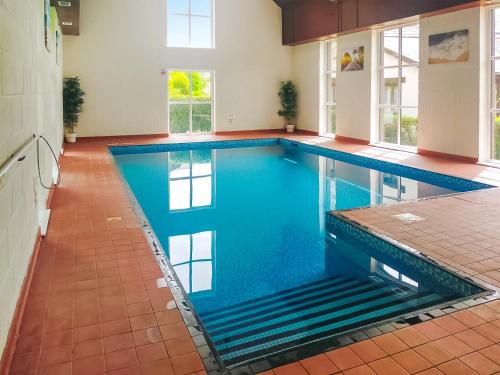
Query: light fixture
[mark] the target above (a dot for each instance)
(67, 23)
(64, 3)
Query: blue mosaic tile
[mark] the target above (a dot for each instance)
(169, 147)
(434, 178)
(410, 262)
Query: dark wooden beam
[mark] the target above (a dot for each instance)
(68, 14)
(309, 20)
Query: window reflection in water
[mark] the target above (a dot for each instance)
(350, 186)
(191, 175)
(193, 258)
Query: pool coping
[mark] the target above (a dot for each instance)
(211, 360)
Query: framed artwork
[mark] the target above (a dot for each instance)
(352, 59)
(46, 22)
(449, 47)
(58, 47)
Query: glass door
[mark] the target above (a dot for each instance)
(190, 104)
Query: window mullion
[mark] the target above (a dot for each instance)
(189, 23)
(400, 83)
(190, 102)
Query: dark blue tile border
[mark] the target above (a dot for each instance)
(434, 178)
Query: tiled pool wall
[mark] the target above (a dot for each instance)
(409, 260)
(212, 362)
(456, 183)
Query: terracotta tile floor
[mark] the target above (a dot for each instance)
(95, 306)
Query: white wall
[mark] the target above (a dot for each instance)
(450, 94)
(122, 49)
(307, 74)
(30, 102)
(452, 97)
(354, 89)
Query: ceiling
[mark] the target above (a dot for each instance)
(68, 12)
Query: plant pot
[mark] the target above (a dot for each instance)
(70, 137)
(290, 128)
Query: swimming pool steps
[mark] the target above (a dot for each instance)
(293, 317)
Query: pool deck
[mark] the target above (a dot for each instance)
(97, 303)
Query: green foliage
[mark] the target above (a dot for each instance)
(288, 98)
(178, 86)
(72, 102)
(179, 118)
(409, 127)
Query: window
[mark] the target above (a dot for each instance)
(190, 106)
(192, 257)
(495, 85)
(190, 23)
(398, 94)
(330, 88)
(190, 176)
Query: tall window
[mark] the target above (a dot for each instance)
(398, 94)
(190, 104)
(330, 87)
(190, 23)
(495, 85)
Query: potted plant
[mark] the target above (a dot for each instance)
(288, 98)
(72, 106)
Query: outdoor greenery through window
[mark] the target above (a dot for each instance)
(495, 85)
(398, 96)
(189, 23)
(330, 89)
(190, 102)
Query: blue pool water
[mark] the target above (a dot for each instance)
(245, 231)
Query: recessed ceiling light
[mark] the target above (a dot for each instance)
(67, 23)
(64, 3)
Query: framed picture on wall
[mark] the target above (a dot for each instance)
(352, 59)
(449, 47)
(46, 22)
(58, 47)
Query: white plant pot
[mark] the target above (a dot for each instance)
(70, 137)
(290, 128)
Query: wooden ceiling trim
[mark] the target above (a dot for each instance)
(68, 14)
(312, 20)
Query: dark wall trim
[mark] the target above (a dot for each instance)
(69, 13)
(309, 20)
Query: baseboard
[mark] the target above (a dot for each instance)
(307, 132)
(15, 326)
(443, 155)
(124, 137)
(243, 132)
(341, 138)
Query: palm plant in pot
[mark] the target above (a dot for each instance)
(288, 99)
(72, 106)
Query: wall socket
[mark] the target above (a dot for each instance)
(231, 117)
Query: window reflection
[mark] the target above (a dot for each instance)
(386, 271)
(193, 258)
(393, 188)
(191, 180)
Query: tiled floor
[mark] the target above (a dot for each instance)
(96, 305)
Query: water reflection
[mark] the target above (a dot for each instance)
(349, 186)
(193, 259)
(190, 176)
